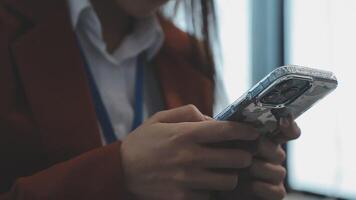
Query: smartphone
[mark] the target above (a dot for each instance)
(288, 90)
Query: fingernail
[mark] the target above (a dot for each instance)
(284, 122)
(207, 117)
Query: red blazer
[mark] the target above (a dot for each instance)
(50, 145)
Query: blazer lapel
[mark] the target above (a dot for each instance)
(52, 73)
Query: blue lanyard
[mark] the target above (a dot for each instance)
(101, 111)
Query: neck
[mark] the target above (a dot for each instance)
(116, 24)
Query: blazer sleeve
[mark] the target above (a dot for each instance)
(96, 174)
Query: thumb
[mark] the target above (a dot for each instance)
(188, 113)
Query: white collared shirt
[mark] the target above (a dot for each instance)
(114, 73)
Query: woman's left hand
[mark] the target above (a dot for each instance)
(267, 171)
(266, 174)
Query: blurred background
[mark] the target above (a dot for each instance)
(260, 35)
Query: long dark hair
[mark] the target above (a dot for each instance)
(201, 22)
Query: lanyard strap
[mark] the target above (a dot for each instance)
(101, 111)
(139, 91)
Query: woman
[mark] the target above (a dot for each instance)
(77, 78)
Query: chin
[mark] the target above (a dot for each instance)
(144, 14)
(149, 9)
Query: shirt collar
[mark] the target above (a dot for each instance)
(147, 35)
(76, 7)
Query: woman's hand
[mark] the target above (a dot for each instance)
(265, 177)
(267, 170)
(166, 157)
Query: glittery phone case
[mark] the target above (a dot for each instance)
(253, 107)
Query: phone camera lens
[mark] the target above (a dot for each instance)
(285, 92)
(273, 97)
(291, 93)
(285, 85)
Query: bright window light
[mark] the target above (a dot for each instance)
(322, 34)
(234, 37)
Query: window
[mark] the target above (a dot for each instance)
(322, 33)
(234, 18)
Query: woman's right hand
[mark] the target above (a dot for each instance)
(167, 157)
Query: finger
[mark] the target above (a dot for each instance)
(270, 151)
(207, 180)
(208, 118)
(289, 130)
(268, 191)
(222, 158)
(188, 113)
(269, 172)
(220, 131)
